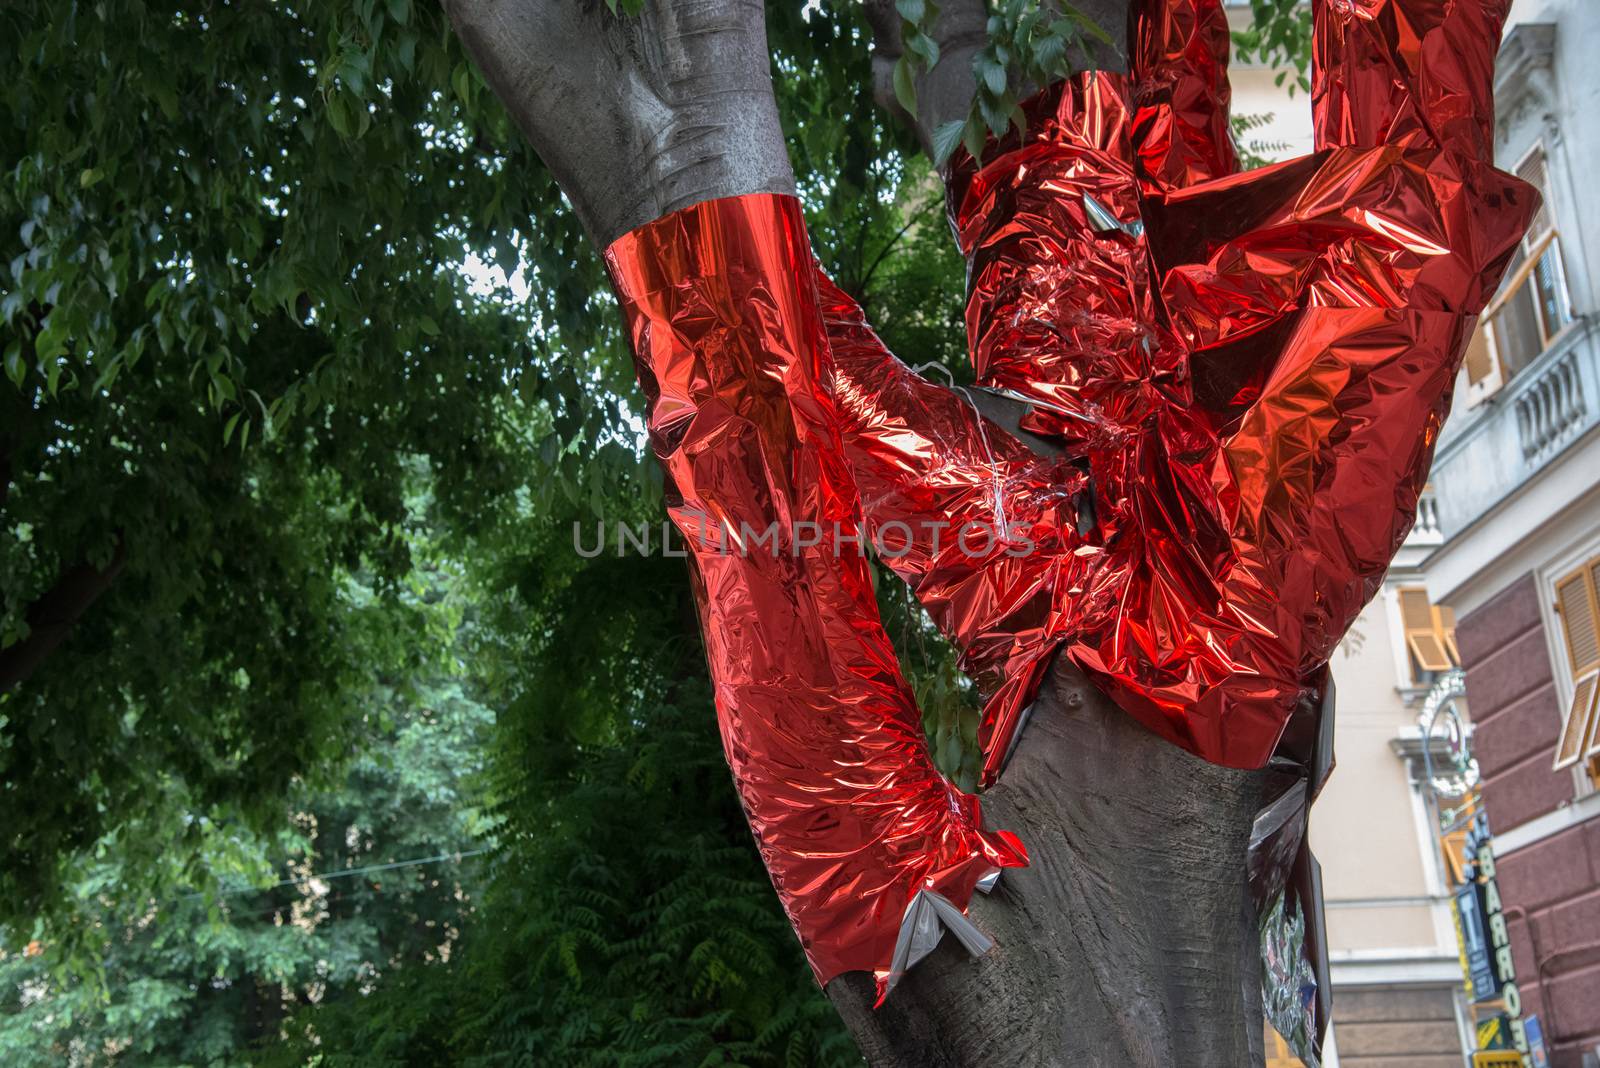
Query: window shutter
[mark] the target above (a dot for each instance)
(1576, 602)
(1591, 746)
(1444, 624)
(1422, 633)
(1579, 726)
(1535, 173)
(1454, 847)
(1591, 749)
(1593, 567)
(1480, 360)
(1532, 305)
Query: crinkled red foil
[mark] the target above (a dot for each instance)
(819, 726)
(1253, 367)
(1245, 375)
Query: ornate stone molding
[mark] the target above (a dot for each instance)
(1524, 80)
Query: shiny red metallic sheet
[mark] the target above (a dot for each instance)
(929, 468)
(819, 726)
(1254, 366)
(1245, 373)
(1179, 93)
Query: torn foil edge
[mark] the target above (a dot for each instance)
(928, 915)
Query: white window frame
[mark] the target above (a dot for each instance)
(1546, 578)
(1496, 379)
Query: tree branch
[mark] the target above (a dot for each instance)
(52, 616)
(635, 117)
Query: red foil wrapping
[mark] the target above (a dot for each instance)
(819, 726)
(1245, 375)
(1252, 367)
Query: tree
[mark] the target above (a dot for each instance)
(1055, 986)
(1252, 474)
(248, 501)
(241, 333)
(236, 317)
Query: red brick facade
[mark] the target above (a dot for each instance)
(1552, 887)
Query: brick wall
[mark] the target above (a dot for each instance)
(1512, 695)
(1552, 887)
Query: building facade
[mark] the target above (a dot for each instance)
(1501, 578)
(1517, 482)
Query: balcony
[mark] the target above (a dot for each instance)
(1489, 451)
(1426, 530)
(1552, 410)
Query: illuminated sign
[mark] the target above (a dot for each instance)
(1476, 959)
(1505, 971)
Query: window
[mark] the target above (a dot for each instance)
(1430, 632)
(1532, 307)
(1578, 605)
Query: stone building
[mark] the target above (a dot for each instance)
(1501, 577)
(1517, 484)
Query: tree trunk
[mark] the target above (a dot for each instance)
(1130, 939)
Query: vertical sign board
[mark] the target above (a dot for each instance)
(1476, 959)
(1535, 1033)
(1505, 972)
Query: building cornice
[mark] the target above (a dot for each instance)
(1388, 968)
(1524, 76)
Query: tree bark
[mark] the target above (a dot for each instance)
(1130, 939)
(635, 117)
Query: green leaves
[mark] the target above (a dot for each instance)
(1254, 152)
(921, 51)
(905, 86)
(947, 137)
(1280, 34)
(181, 973)
(234, 317)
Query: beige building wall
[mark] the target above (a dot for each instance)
(1369, 828)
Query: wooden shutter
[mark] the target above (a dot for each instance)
(1591, 744)
(1575, 602)
(1423, 636)
(1591, 747)
(1480, 360)
(1580, 633)
(1444, 625)
(1453, 846)
(1579, 725)
(1535, 173)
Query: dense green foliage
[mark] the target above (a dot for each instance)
(196, 978)
(310, 375)
(318, 742)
